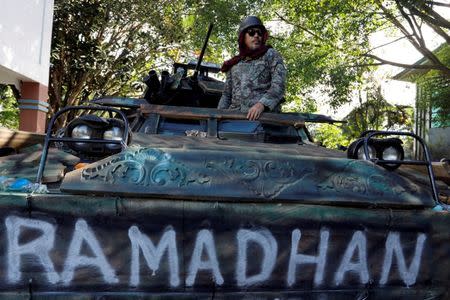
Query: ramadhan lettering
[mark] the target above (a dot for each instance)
(149, 254)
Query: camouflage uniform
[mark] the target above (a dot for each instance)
(251, 81)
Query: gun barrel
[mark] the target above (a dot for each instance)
(200, 58)
(152, 81)
(165, 77)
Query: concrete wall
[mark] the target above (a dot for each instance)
(439, 142)
(25, 38)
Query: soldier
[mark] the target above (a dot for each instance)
(256, 76)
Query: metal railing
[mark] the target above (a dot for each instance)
(426, 162)
(50, 138)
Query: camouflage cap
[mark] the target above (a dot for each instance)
(250, 21)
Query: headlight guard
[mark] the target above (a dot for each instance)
(92, 127)
(388, 151)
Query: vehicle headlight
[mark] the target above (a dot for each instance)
(362, 155)
(92, 128)
(82, 132)
(382, 151)
(391, 153)
(114, 133)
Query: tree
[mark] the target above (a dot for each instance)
(225, 15)
(327, 48)
(103, 47)
(373, 113)
(435, 95)
(9, 109)
(377, 114)
(409, 17)
(330, 136)
(435, 91)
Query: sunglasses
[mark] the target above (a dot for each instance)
(253, 31)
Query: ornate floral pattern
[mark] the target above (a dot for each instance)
(144, 166)
(265, 178)
(222, 175)
(351, 180)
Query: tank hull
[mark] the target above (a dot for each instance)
(71, 245)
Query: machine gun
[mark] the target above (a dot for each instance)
(179, 89)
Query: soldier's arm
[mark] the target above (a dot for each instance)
(278, 83)
(225, 100)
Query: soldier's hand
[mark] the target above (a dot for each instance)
(255, 111)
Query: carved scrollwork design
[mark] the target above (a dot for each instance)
(248, 170)
(359, 178)
(144, 166)
(347, 182)
(126, 171)
(265, 178)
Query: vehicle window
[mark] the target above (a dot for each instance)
(179, 127)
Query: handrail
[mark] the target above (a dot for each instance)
(201, 113)
(426, 162)
(49, 138)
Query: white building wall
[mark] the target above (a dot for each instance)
(25, 40)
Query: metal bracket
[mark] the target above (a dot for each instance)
(151, 124)
(212, 128)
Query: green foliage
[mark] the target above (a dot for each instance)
(435, 92)
(105, 47)
(331, 136)
(225, 15)
(435, 95)
(373, 113)
(9, 111)
(327, 48)
(323, 48)
(377, 114)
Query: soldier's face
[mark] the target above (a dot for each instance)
(253, 38)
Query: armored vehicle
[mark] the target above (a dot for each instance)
(165, 199)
